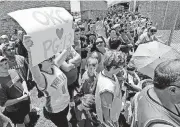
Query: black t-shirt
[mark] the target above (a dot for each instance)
(84, 52)
(21, 49)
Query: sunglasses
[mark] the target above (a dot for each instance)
(99, 42)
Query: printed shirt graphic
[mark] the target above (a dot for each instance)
(18, 65)
(57, 95)
(106, 84)
(88, 83)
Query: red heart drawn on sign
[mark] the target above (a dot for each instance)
(59, 33)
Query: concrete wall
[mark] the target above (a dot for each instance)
(93, 9)
(93, 14)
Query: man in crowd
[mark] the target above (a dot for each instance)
(148, 36)
(3, 40)
(158, 106)
(14, 95)
(16, 62)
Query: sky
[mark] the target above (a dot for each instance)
(75, 4)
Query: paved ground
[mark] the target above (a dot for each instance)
(42, 122)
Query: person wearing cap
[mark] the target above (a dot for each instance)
(14, 95)
(158, 106)
(108, 96)
(4, 39)
(149, 36)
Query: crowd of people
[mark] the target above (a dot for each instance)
(94, 81)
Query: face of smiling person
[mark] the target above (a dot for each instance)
(99, 44)
(10, 51)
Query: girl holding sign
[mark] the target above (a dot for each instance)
(53, 83)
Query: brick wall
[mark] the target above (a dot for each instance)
(7, 24)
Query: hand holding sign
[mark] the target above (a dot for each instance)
(50, 31)
(27, 42)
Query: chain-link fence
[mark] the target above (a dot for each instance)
(166, 14)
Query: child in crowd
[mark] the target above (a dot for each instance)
(85, 111)
(89, 77)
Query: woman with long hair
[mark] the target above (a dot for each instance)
(97, 51)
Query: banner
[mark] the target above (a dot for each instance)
(50, 29)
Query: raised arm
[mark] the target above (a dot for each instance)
(76, 57)
(61, 57)
(37, 75)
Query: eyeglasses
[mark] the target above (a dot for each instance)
(10, 49)
(94, 65)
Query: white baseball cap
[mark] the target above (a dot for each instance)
(4, 37)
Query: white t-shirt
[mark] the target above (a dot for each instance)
(56, 92)
(106, 84)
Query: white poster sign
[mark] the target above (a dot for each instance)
(50, 29)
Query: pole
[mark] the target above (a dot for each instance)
(172, 30)
(134, 5)
(165, 15)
